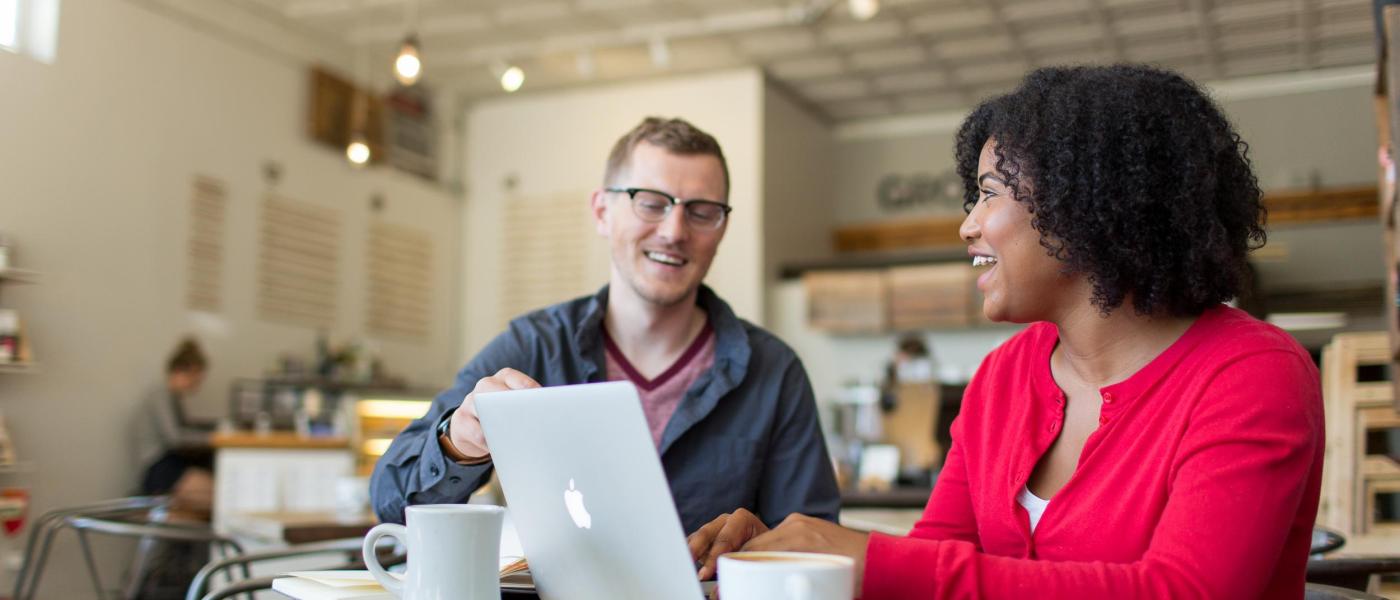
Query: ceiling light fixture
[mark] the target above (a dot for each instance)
(863, 10)
(408, 68)
(357, 151)
(512, 77)
(408, 65)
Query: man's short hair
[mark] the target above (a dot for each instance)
(674, 135)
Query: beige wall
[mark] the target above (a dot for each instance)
(555, 143)
(1295, 125)
(797, 175)
(97, 153)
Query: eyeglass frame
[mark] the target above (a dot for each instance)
(632, 196)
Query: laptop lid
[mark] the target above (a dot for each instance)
(587, 493)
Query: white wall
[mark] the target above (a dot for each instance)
(798, 205)
(862, 162)
(557, 143)
(97, 153)
(1297, 126)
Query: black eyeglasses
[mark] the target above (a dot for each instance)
(653, 206)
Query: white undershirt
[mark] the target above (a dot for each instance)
(1034, 505)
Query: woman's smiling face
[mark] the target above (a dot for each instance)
(1020, 282)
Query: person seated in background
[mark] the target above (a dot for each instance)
(173, 446)
(1140, 439)
(729, 406)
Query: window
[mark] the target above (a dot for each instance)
(30, 27)
(9, 25)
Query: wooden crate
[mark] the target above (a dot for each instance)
(931, 296)
(1351, 479)
(846, 301)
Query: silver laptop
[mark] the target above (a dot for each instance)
(587, 493)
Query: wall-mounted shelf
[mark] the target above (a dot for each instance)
(19, 368)
(16, 468)
(940, 234)
(19, 275)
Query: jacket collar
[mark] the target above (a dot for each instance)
(732, 354)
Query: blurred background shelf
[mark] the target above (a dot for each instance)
(18, 467)
(19, 275)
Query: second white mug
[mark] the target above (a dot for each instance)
(786, 576)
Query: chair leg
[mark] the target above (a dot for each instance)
(37, 551)
(136, 575)
(41, 560)
(91, 565)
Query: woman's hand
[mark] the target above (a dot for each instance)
(727, 533)
(801, 533)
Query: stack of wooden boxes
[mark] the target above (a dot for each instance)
(1359, 405)
(900, 298)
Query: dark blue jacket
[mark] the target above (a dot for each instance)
(745, 435)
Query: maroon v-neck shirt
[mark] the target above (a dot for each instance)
(661, 396)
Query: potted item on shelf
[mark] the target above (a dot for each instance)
(4, 252)
(9, 336)
(7, 447)
(14, 504)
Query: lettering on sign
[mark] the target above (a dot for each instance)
(941, 193)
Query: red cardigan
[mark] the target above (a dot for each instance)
(1201, 482)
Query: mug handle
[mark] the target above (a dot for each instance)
(394, 530)
(797, 587)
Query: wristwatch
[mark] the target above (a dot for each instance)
(449, 449)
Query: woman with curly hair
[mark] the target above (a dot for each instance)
(1140, 439)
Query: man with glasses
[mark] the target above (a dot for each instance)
(729, 405)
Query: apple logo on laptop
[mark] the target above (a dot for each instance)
(573, 500)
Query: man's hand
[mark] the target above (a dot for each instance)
(465, 431)
(727, 533)
(801, 533)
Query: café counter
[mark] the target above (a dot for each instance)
(277, 472)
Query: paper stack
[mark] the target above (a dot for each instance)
(331, 585)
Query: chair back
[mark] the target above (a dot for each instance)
(1350, 572)
(47, 526)
(1317, 591)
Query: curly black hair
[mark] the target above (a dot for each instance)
(1132, 175)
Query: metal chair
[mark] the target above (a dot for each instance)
(150, 532)
(1317, 591)
(1354, 573)
(47, 526)
(349, 547)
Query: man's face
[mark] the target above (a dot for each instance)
(661, 263)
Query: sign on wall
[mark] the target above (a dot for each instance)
(920, 192)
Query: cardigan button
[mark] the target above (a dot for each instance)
(1107, 398)
(1103, 420)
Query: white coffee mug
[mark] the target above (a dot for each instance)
(786, 576)
(453, 552)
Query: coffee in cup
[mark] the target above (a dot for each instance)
(786, 576)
